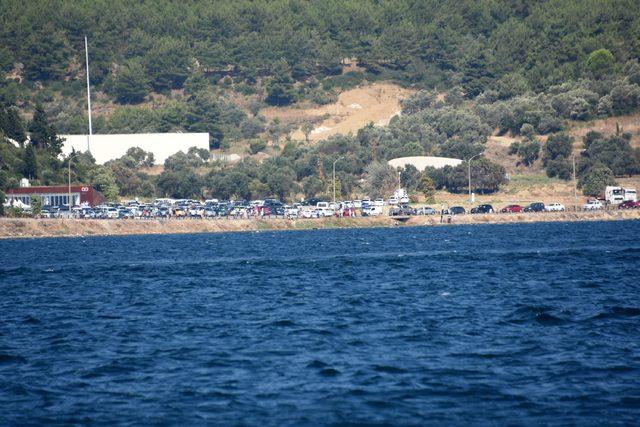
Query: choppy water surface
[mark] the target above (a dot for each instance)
(524, 324)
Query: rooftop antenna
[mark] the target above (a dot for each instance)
(86, 53)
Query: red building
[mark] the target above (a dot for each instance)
(58, 195)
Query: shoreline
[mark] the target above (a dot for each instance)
(15, 228)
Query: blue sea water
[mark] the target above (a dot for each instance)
(488, 324)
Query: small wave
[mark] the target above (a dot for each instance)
(11, 358)
(316, 364)
(540, 315)
(618, 312)
(30, 320)
(388, 369)
(550, 320)
(286, 323)
(329, 372)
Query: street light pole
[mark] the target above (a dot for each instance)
(334, 179)
(69, 188)
(469, 162)
(575, 185)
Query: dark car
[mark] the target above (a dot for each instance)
(402, 210)
(629, 204)
(482, 209)
(535, 207)
(511, 209)
(311, 202)
(456, 210)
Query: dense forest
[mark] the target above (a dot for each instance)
(520, 67)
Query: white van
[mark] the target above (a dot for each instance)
(322, 205)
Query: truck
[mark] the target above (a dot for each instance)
(630, 195)
(401, 195)
(615, 195)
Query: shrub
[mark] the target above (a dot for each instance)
(593, 183)
(561, 168)
(257, 145)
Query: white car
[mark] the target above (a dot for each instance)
(112, 213)
(324, 212)
(593, 205)
(554, 207)
(393, 201)
(372, 211)
(309, 213)
(292, 212)
(378, 202)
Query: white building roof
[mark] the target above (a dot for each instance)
(422, 162)
(113, 146)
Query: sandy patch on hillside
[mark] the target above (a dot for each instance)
(355, 108)
(607, 126)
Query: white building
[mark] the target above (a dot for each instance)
(113, 146)
(422, 162)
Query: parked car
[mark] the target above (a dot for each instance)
(629, 204)
(425, 211)
(401, 210)
(511, 209)
(393, 201)
(324, 212)
(292, 211)
(482, 209)
(593, 205)
(456, 210)
(310, 213)
(378, 202)
(535, 207)
(372, 211)
(554, 207)
(112, 213)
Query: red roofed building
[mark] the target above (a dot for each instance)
(58, 195)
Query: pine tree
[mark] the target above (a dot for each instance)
(280, 90)
(131, 84)
(40, 131)
(30, 167)
(204, 116)
(3, 119)
(14, 128)
(427, 188)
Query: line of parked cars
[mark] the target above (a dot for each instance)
(486, 208)
(312, 208)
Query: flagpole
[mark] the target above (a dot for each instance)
(86, 52)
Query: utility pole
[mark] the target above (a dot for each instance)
(469, 162)
(334, 179)
(575, 185)
(69, 189)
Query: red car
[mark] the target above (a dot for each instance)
(511, 209)
(629, 204)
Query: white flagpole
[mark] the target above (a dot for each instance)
(86, 52)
